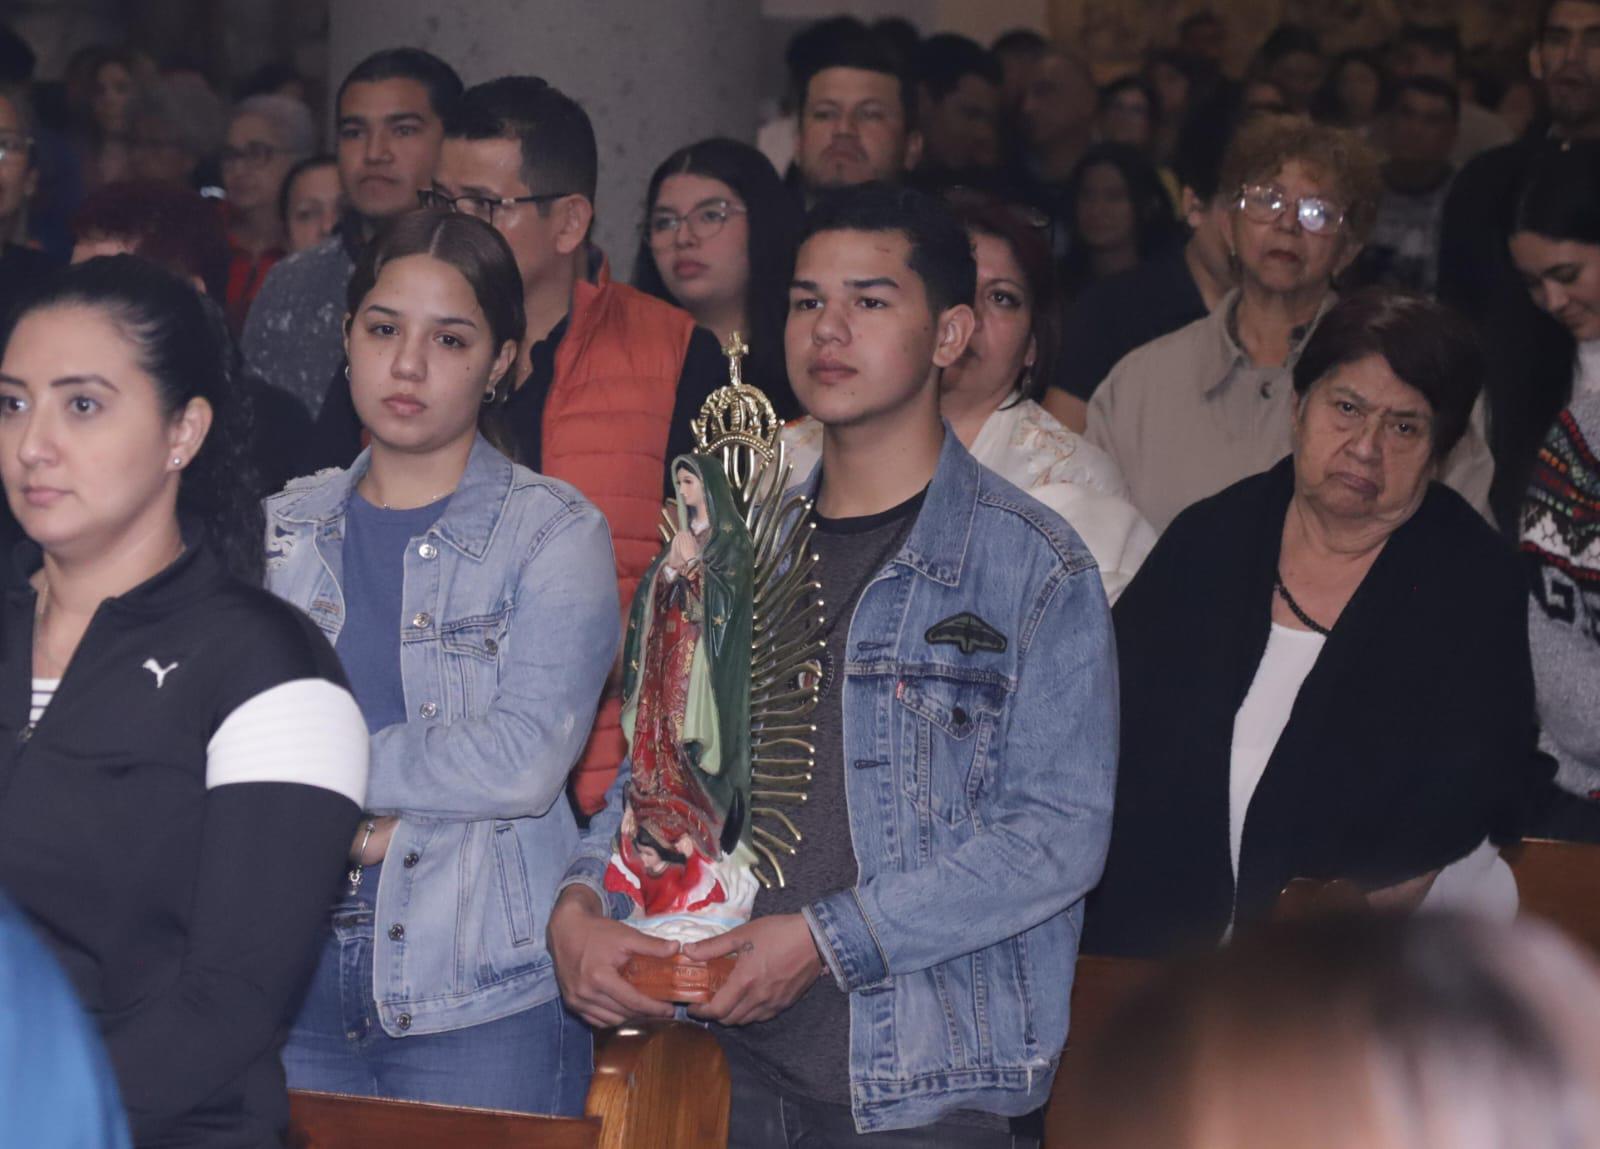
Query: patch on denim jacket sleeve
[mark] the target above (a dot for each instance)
(967, 631)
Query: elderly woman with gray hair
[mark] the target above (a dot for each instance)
(1193, 411)
(267, 136)
(1325, 669)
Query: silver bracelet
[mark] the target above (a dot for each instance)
(355, 869)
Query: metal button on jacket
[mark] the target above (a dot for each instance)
(421, 620)
(403, 1021)
(411, 859)
(428, 709)
(428, 551)
(491, 646)
(397, 932)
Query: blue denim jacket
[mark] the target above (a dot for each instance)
(509, 629)
(979, 785)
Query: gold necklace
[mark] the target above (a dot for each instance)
(427, 503)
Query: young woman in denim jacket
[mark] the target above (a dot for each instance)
(474, 606)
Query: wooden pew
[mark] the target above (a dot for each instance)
(656, 1086)
(1560, 882)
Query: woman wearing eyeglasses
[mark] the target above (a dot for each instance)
(719, 237)
(266, 136)
(1192, 412)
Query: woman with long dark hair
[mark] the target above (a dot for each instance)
(720, 232)
(473, 604)
(1118, 214)
(1555, 243)
(183, 765)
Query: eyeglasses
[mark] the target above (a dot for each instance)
(1266, 203)
(14, 145)
(482, 206)
(703, 222)
(255, 155)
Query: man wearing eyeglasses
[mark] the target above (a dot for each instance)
(391, 110)
(609, 378)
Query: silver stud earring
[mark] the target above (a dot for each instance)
(177, 460)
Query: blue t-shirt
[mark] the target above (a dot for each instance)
(56, 1087)
(375, 543)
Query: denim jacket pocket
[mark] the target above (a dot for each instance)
(514, 891)
(947, 726)
(473, 650)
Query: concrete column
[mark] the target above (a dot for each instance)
(653, 76)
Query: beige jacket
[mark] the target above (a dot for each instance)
(1188, 415)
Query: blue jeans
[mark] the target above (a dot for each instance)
(536, 1061)
(764, 1117)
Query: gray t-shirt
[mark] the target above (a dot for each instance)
(805, 1050)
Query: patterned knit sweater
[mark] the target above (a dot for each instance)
(1561, 541)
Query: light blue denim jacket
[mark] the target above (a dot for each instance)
(979, 784)
(509, 629)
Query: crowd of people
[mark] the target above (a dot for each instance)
(331, 473)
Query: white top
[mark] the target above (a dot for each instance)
(44, 689)
(1028, 447)
(1289, 657)
(1587, 369)
(1480, 883)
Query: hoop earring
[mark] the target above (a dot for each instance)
(489, 396)
(347, 372)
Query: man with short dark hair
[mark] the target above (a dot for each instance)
(1420, 130)
(1476, 275)
(391, 110)
(609, 378)
(1016, 50)
(1426, 51)
(1292, 58)
(858, 115)
(1203, 36)
(958, 109)
(1058, 112)
(965, 748)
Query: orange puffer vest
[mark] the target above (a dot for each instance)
(606, 424)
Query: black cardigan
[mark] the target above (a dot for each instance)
(1410, 740)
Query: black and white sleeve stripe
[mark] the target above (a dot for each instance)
(308, 731)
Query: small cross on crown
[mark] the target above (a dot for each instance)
(738, 413)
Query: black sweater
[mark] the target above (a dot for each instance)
(1410, 740)
(175, 826)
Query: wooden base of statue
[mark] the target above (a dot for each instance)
(677, 979)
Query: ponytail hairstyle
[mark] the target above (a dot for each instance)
(183, 344)
(481, 255)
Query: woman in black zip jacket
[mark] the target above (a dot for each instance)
(181, 766)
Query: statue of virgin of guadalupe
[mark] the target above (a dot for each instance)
(680, 855)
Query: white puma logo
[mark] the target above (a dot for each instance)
(159, 671)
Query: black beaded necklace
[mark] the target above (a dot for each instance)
(1294, 607)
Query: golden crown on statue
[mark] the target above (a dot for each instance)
(738, 414)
